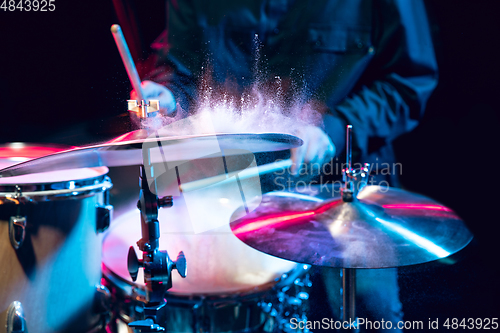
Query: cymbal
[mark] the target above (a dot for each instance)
(127, 150)
(385, 227)
(16, 152)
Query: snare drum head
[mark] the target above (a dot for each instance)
(218, 262)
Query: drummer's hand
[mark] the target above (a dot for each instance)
(317, 148)
(155, 91)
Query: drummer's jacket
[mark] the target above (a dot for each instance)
(368, 63)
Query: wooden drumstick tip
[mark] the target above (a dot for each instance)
(115, 28)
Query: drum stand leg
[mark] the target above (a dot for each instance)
(349, 300)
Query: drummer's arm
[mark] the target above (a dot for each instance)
(154, 91)
(395, 87)
(179, 55)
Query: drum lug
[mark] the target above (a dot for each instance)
(17, 231)
(102, 306)
(104, 215)
(16, 323)
(102, 299)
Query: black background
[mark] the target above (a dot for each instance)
(61, 77)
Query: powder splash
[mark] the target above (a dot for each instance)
(273, 105)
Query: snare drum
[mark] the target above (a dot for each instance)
(50, 249)
(230, 287)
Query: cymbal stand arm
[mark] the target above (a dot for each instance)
(157, 264)
(148, 205)
(352, 179)
(349, 298)
(348, 189)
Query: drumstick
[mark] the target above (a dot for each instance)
(127, 60)
(247, 173)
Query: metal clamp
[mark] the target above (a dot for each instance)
(104, 211)
(17, 231)
(104, 214)
(16, 323)
(354, 179)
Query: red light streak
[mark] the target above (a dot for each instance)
(418, 206)
(274, 221)
(279, 219)
(121, 138)
(28, 152)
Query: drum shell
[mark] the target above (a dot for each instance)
(212, 314)
(264, 308)
(55, 272)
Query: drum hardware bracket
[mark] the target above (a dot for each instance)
(104, 211)
(102, 302)
(354, 179)
(17, 224)
(147, 325)
(102, 297)
(163, 202)
(17, 231)
(151, 313)
(104, 216)
(16, 322)
(157, 266)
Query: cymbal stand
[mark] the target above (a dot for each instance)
(157, 264)
(354, 181)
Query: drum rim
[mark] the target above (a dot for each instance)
(78, 187)
(99, 172)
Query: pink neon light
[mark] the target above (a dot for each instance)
(121, 138)
(28, 152)
(418, 206)
(274, 221)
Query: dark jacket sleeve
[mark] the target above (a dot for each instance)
(391, 95)
(179, 53)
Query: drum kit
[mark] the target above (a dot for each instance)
(64, 270)
(56, 256)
